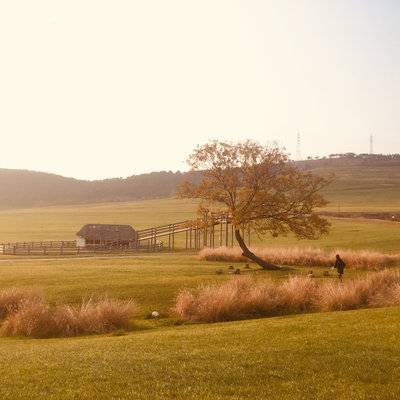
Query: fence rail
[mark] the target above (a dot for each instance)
(216, 230)
(70, 248)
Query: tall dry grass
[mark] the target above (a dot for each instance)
(40, 320)
(305, 256)
(374, 290)
(14, 298)
(242, 298)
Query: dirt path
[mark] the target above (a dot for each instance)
(386, 216)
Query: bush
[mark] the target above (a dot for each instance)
(241, 298)
(308, 256)
(38, 319)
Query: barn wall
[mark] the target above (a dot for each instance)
(80, 242)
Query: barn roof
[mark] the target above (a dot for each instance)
(107, 232)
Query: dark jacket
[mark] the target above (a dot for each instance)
(339, 265)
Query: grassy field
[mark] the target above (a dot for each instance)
(61, 223)
(58, 223)
(362, 188)
(321, 356)
(347, 355)
(153, 281)
(353, 189)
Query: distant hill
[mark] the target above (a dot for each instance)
(21, 188)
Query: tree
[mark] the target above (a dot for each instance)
(259, 188)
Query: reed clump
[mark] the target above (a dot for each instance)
(13, 299)
(242, 298)
(305, 256)
(25, 313)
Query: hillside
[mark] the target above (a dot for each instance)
(364, 179)
(20, 188)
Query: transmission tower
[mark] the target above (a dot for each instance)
(371, 144)
(298, 152)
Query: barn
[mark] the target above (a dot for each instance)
(94, 235)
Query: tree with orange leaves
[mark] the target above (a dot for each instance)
(259, 188)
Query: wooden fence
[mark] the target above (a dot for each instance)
(194, 235)
(70, 248)
(218, 231)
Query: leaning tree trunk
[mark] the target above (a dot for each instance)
(251, 256)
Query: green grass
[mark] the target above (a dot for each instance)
(61, 223)
(361, 188)
(316, 356)
(153, 281)
(347, 355)
(350, 234)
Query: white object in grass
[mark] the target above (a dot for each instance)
(155, 314)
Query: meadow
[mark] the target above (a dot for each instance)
(61, 223)
(344, 355)
(363, 188)
(320, 355)
(153, 280)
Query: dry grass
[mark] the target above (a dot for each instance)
(241, 298)
(374, 290)
(308, 256)
(12, 299)
(38, 319)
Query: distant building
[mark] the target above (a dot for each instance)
(106, 235)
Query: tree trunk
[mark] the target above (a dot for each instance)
(251, 256)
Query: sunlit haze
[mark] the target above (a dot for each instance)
(96, 89)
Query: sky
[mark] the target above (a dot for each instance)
(94, 89)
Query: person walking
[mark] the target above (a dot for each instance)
(339, 265)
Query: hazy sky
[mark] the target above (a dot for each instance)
(94, 88)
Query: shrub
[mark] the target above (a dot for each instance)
(40, 320)
(306, 256)
(241, 298)
(12, 299)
